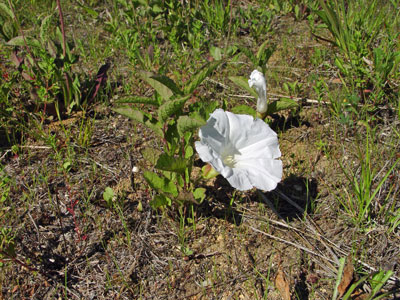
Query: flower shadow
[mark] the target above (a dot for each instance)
(282, 123)
(220, 204)
(294, 196)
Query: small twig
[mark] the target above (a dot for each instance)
(306, 100)
(311, 223)
(291, 244)
(201, 255)
(5, 153)
(60, 220)
(34, 224)
(104, 167)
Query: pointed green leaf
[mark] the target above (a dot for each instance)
(189, 152)
(244, 84)
(164, 91)
(140, 117)
(131, 113)
(151, 155)
(249, 54)
(5, 10)
(160, 183)
(216, 52)
(16, 41)
(186, 123)
(281, 104)
(199, 194)
(160, 201)
(244, 109)
(201, 75)
(170, 108)
(139, 100)
(264, 54)
(44, 28)
(168, 82)
(154, 126)
(261, 49)
(171, 164)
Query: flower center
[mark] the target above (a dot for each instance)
(229, 160)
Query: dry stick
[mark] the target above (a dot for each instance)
(306, 100)
(336, 260)
(321, 238)
(292, 244)
(34, 224)
(312, 225)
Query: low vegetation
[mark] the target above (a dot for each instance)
(102, 193)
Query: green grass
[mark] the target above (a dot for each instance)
(63, 146)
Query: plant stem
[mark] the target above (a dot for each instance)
(64, 49)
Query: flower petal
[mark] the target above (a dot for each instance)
(263, 174)
(239, 180)
(253, 137)
(212, 157)
(241, 149)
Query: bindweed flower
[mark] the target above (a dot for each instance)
(257, 80)
(241, 149)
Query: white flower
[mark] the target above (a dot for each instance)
(241, 149)
(257, 80)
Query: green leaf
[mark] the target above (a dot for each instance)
(281, 104)
(186, 123)
(131, 113)
(249, 54)
(200, 76)
(171, 164)
(170, 108)
(160, 183)
(108, 194)
(168, 82)
(164, 91)
(44, 28)
(5, 10)
(189, 152)
(151, 155)
(154, 126)
(199, 194)
(216, 52)
(244, 109)
(261, 49)
(264, 54)
(139, 100)
(16, 41)
(90, 11)
(140, 117)
(160, 201)
(244, 84)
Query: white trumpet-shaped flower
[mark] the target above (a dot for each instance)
(257, 80)
(241, 149)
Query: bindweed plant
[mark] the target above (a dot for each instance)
(174, 123)
(264, 107)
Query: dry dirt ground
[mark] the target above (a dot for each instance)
(238, 250)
